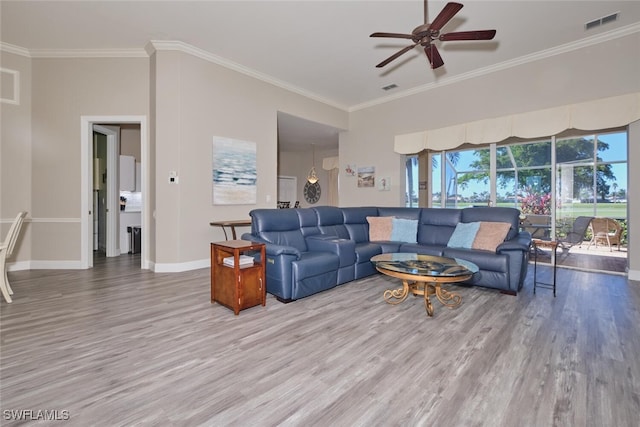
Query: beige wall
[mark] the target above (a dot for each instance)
(298, 164)
(130, 141)
(15, 156)
(609, 69)
(189, 100)
(559, 80)
(63, 91)
(196, 100)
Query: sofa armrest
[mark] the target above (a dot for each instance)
(328, 243)
(522, 242)
(273, 249)
(344, 248)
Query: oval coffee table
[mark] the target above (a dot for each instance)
(424, 275)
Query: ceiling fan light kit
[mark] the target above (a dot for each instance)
(426, 34)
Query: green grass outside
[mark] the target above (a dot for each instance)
(609, 210)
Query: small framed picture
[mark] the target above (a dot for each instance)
(366, 176)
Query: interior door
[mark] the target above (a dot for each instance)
(111, 212)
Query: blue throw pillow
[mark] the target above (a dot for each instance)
(404, 230)
(464, 235)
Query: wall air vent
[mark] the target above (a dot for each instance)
(389, 87)
(601, 21)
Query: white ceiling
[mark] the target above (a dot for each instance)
(318, 48)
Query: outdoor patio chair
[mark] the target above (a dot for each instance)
(607, 231)
(577, 234)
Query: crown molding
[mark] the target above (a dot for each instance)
(568, 47)
(163, 45)
(73, 53)
(88, 53)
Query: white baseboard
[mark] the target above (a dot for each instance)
(634, 275)
(19, 266)
(181, 266)
(76, 265)
(56, 265)
(44, 265)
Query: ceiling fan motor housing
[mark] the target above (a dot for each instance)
(426, 33)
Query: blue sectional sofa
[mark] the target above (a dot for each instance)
(310, 250)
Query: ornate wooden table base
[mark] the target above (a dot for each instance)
(425, 286)
(424, 275)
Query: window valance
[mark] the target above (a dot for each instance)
(329, 163)
(594, 115)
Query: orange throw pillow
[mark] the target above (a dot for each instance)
(490, 235)
(380, 228)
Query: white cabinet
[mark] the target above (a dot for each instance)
(127, 173)
(127, 219)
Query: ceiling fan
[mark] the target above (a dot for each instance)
(426, 34)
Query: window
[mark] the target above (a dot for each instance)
(557, 178)
(591, 178)
(411, 178)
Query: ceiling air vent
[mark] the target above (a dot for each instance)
(611, 18)
(389, 87)
(601, 21)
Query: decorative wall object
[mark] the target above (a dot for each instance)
(312, 192)
(384, 184)
(366, 176)
(350, 170)
(234, 171)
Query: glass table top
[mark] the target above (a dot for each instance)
(424, 265)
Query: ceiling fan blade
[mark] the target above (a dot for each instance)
(395, 55)
(393, 35)
(434, 56)
(445, 15)
(469, 35)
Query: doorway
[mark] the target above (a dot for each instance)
(287, 190)
(105, 125)
(105, 206)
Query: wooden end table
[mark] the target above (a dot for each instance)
(237, 286)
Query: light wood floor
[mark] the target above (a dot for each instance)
(117, 345)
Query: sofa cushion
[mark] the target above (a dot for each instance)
(355, 221)
(464, 235)
(365, 251)
(380, 228)
(490, 235)
(404, 230)
(494, 214)
(330, 221)
(437, 224)
(278, 226)
(400, 212)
